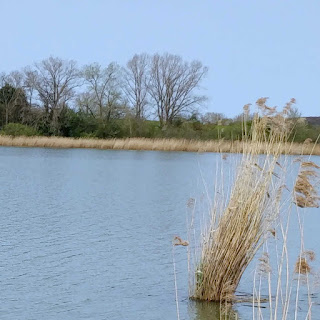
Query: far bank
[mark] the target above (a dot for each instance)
(225, 146)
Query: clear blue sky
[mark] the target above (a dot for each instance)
(252, 48)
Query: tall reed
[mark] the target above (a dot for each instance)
(287, 279)
(238, 227)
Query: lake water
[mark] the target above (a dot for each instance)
(86, 234)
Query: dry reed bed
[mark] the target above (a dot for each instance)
(149, 144)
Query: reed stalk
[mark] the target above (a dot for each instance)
(238, 227)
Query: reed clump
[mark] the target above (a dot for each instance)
(238, 227)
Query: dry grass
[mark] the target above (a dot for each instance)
(306, 192)
(152, 144)
(237, 229)
(302, 265)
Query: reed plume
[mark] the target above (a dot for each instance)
(302, 265)
(306, 193)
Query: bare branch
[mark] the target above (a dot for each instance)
(136, 82)
(172, 85)
(54, 80)
(104, 87)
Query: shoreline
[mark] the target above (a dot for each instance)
(147, 144)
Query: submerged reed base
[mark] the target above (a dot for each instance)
(150, 144)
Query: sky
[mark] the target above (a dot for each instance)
(262, 48)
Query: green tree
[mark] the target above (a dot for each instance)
(13, 104)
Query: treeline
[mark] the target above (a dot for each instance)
(151, 96)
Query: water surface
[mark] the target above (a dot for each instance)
(86, 234)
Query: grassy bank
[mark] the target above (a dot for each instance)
(147, 144)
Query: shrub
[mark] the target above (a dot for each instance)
(17, 129)
(109, 129)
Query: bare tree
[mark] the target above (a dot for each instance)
(54, 80)
(295, 116)
(104, 87)
(86, 103)
(7, 97)
(294, 112)
(173, 84)
(29, 84)
(212, 117)
(135, 83)
(15, 79)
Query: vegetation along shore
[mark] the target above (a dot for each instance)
(152, 96)
(149, 144)
(56, 103)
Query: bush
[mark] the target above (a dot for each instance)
(17, 129)
(109, 129)
(77, 124)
